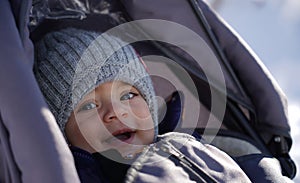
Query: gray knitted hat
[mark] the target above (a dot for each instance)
(71, 63)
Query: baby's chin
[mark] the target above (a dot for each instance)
(132, 152)
(123, 154)
(128, 150)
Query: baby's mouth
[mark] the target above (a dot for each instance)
(121, 135)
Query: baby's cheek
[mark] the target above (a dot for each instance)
(140, 109)
(141, 116)
(83, 117)
(90, 126)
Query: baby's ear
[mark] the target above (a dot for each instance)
(173, 115)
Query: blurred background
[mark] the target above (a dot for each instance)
(272, 29)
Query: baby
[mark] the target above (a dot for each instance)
(103, 99)
(112, 94)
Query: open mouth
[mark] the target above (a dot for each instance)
(121, 135)
(124, 136)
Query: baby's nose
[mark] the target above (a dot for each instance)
(114, 111)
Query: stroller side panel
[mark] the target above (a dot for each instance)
(32, 148)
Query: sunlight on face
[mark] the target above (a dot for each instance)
(113, 116)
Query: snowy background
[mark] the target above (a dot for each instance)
(272, 29)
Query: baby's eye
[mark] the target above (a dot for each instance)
(128, 96)
(87, 106)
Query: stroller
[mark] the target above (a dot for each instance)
(203, 72)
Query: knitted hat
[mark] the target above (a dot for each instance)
(71, 63)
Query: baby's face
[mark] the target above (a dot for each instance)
(113, 116)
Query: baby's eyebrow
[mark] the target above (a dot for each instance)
(124, 85)
(128, 88)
